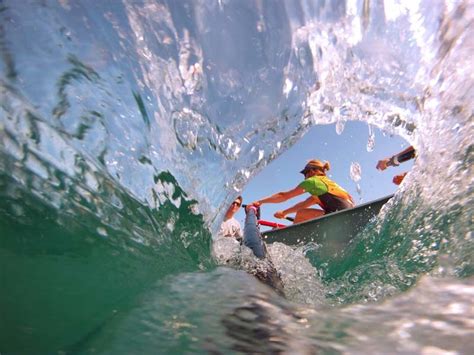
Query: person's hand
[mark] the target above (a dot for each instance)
(279, 214)
(382, 164)
(248, 207)
(255, 205)
(397, 179)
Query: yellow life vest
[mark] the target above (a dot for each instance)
(335, 189)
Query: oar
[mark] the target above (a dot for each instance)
(268, 223)
(252, 237)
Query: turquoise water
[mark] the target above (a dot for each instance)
(126, 127)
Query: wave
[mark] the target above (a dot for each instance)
(127, 126)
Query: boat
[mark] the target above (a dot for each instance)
(332, 232)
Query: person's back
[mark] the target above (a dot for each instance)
(332, 197)
(324, 192)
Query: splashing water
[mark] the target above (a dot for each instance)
(371, 140)
(125, 127)
(340, 125)
(356, 174)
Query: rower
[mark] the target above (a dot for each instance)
(324, 192)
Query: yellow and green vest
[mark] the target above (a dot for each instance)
(319, 185)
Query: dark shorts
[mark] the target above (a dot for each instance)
(333, 203)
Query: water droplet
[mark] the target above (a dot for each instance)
(371, 139)
(102, 231)
(340, 126)
(355, 172)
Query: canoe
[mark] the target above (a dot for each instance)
(333, 231)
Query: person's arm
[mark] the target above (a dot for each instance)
(397, 179)
(407, 154)
(280, 196)
(312, 200)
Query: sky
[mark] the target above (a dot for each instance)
(322, 142)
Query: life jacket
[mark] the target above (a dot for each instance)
(320, 184)
(335, 189)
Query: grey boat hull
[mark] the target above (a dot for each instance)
(333, 232)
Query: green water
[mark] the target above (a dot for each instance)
(106, 106)
(62, 276)
(96, 270)
(74, 287)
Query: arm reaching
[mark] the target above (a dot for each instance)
(280, 196)
(407, 154)
(310, 201)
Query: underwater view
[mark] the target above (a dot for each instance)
(127, 128)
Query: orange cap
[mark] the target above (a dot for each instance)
(315, 164)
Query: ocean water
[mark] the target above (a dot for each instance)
(127, 126)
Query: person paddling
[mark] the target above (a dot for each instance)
(324, 192)
(403, 156)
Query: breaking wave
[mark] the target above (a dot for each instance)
(126, 127)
